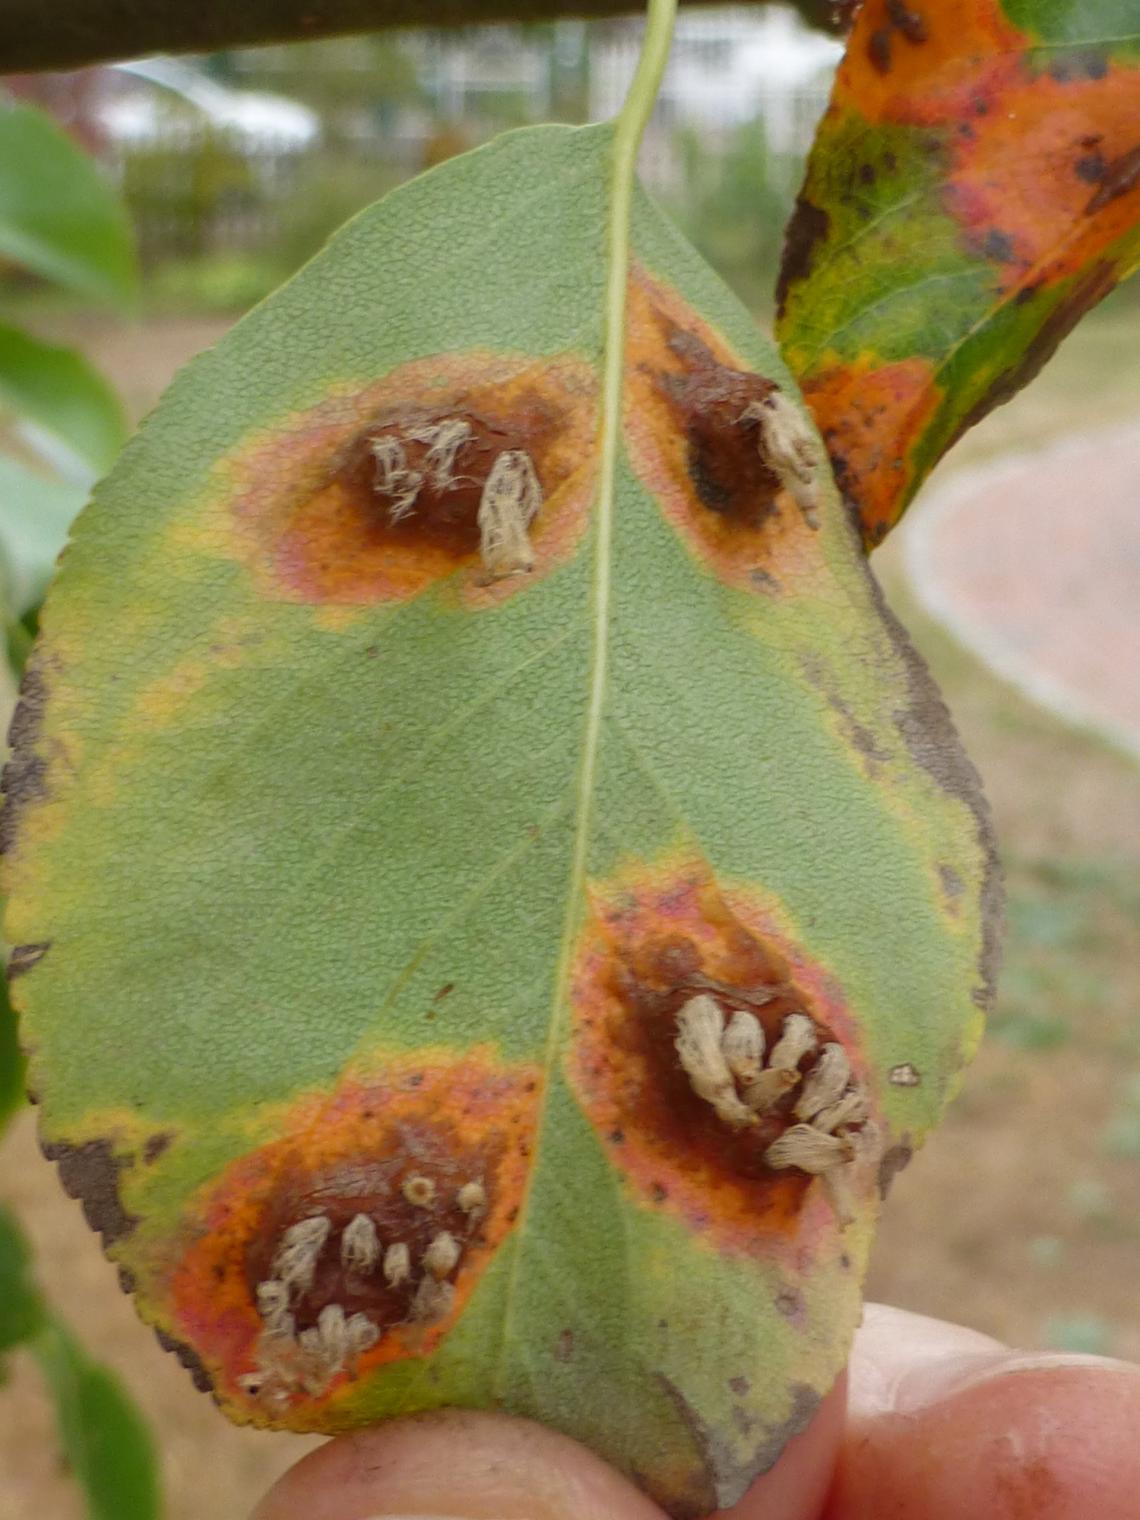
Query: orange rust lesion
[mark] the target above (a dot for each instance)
(431, 1153)
(655, 938)
(871, 416)
(945, 45)
(693, 436)
(373, 495)
(1071, 135)
(1031, 133)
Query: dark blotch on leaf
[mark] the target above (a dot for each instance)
(998, 246)
(90, 1173)
(879, 49)
(155, 1146)
(24, 957)
(790, 1303)
(1120, 176)
(648, 982)
(952, 883)
(1078, 65)
(808, 227)
(894, 1161)
(910, 23)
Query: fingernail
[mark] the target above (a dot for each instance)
(934, 1382)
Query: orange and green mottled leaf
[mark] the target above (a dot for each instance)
(973, 190)
(361, 894)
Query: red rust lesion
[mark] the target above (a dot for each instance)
(694, 437)
(656, 938)
(325, 517)
(368, 1150)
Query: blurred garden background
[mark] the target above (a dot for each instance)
(1023, 1216)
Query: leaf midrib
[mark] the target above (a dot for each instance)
(628, 131)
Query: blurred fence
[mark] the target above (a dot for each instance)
(259, 154)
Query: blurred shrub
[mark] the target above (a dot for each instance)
(184, 184)
(329, 188)
(734, 200)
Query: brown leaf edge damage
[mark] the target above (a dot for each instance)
(356, 1238)
(91, 1172)
(696, 430)
(733, 1478)
(927, 729)
(24, 780)
(375, 494)
(656, 939)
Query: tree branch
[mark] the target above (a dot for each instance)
(68, 34)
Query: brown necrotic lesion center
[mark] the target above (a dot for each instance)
(725, 464)
(368, 1247)
(745, 439)
(458, 483)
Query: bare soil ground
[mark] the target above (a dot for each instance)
(1022, 1218)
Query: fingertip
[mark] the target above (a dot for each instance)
(458, 1464)
(893, 1347)
(1010, 1439)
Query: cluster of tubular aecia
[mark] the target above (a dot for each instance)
(789, 450)
(508, 505)
(728, 1067)
(308, 1361)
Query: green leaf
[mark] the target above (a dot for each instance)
(21, 1310)
(58, 217)
(973, 190)
(57, 389)
(368, 879)
(35, 515)
(105, 1440)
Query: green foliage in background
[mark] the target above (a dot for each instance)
(60, 221)
(734, 202)
(104, 1439)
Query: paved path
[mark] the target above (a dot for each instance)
(1033, 563)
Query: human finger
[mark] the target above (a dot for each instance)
(457, 1463)
(945, 1424)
